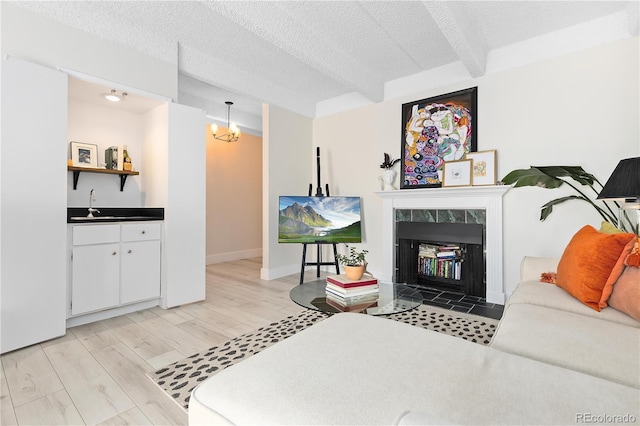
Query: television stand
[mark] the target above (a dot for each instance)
(318, 261)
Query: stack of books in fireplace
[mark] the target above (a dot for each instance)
(352, 295)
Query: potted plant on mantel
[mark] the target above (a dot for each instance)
(354, 263)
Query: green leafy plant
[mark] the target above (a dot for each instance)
(354, 258)
(388, 163)
(554, 177)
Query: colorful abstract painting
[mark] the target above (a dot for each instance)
(435, 130)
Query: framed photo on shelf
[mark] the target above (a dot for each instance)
(457, 173)
(483, 168)
(84, 154)
(434, 131)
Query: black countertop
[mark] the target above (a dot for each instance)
(114, 214)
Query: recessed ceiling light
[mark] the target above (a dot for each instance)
(113, 96)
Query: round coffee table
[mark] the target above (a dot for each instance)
(393, 298)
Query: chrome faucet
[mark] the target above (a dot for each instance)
(92, 198)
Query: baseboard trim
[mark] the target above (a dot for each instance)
(279, 272)
(110, 313)
(234, 255)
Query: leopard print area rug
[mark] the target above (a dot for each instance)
(179, 379)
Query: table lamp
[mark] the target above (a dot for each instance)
(624, 184)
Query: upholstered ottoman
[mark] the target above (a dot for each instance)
(360, 369)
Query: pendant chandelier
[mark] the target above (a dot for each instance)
(233, 130)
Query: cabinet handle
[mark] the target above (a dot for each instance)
(144, 232)
(129, 251)
(114, 253)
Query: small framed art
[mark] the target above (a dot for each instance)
(457, 173)
(84, 154)
(483, 167)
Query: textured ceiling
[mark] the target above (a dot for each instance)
(296, 54)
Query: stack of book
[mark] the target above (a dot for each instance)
(440, 261)
(352, 295)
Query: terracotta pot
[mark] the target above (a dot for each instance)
(354, 272)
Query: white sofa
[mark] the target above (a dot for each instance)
(551, 361)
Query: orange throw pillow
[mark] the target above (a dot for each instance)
(626, 293)
(587, 263)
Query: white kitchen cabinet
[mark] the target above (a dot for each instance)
(114, 265)
(95, 277)
(140, 262)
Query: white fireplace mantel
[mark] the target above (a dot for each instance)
(488, 198)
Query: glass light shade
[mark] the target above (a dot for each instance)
(234, 129)
(629, 217)
(214, 128)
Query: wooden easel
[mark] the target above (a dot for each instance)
(318, 261)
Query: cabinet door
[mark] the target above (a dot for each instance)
(95, 277)
(140, 267)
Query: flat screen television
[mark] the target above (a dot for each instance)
(322, 220)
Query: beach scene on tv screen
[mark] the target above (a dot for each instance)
(319, 220)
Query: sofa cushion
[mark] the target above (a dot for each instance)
(600, 348)
(360, 369)
(609, 228)
(587, 262)
(541, 294)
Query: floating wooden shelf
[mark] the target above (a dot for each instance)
(122, 173)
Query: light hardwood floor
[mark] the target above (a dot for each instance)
(95, 374)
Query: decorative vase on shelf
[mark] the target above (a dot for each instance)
(388, 177)
(354, 272)
(126, 160)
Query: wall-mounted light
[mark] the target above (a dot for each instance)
(113, 96)
(234, 131)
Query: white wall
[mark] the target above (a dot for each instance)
(234, 197)
(104, 127)
(578, 109)
(287, 149)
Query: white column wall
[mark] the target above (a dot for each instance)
(34, 194)
(286, 151)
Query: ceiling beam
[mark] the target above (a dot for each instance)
(459, 32)
(296, 39)
(203, 67)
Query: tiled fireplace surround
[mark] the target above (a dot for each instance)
(487, 198)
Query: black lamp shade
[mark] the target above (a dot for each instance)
(624, 181)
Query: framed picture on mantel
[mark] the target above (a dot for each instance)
(435, 130)
(457, 173)
(484, 167)
(84, 154)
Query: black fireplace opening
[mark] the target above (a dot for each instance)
(444, 256)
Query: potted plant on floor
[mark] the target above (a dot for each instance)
(354, 263)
